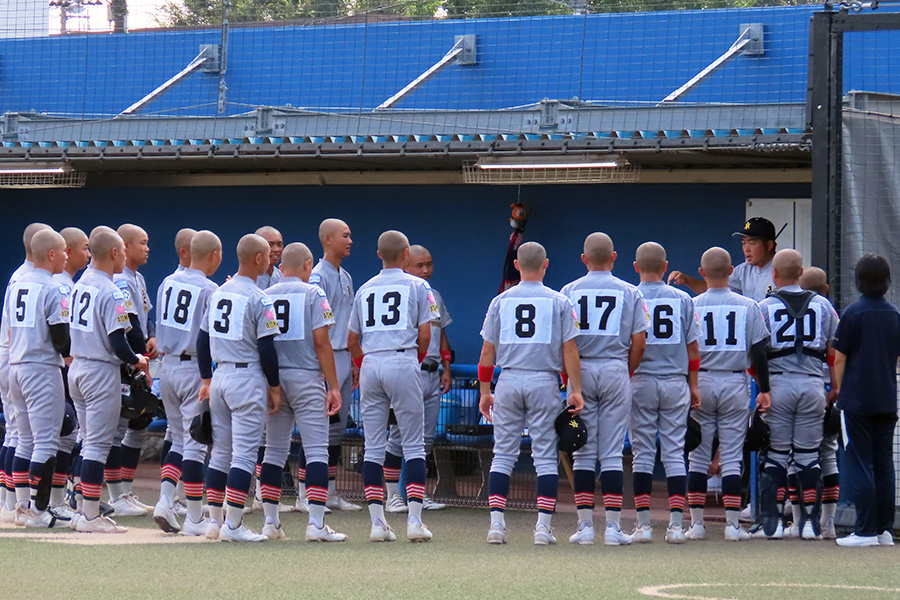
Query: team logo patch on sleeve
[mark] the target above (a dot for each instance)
(271, 325)
(320, 291)
(118, 295)
(122, 284)
(270, 314)
(64, 290)
(315, 279)
(266, 301)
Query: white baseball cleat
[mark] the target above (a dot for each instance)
(21, 515)
(675, 534)
(212, 530)
(614, 536)
(241, 534)
(40, 519)
(497, 534)
(809, 532)
(73, 524)
(273, 532)
(124, 507)
(429, 504)
(62, 512)
(180, 508)
(285, 508)
(164, 515)
(7, 516)
(697, 531)
(417, 532)
(885, 538)
(98, 525)
(857, 541)
(642, 534)
(195, 529)
(793, 531)
(828, 531)
(543, 535)
(301, 505)
(323, 534)
(584, 535)
(338, 503)
(381, 532)
(735, 533)
(396, 504)
(134, 501)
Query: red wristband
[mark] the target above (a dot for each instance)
(421, 356)
(445, 355)
(358, 361)
(565, 378)
(830, 360)
(485, 374)
(694, 364)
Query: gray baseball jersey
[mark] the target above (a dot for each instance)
(673, 325)
(98, 309)
(36, 302)
(182, 301)
(389, 308)
(528, 325)
(819, 326)
(65, 279)
(753, 282)
(338, 286)
(238, 314)
(25, 267)
(137, 298)
(434, 346)
(609, 312)
(300, 309)
(265, 281)
(9, 411)
(729, 325)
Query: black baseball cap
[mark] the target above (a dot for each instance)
(757, 227)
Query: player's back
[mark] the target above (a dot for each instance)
(239, 314)
(673, 325)
(609, 312)
(818, 325)
(389, 308)
(95, 299)
(300, 308)
(338, 286)
(182, 300)
(729, 325)
(528, 324)
(25, 267)
(36, 302)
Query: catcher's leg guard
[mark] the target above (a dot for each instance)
(45, 484)
(810, 492)
(772, 476)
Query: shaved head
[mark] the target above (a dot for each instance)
(29, 234)
(330, 227)
(789, 264)
(103, 239)
(249, 246)
(418, 250)
(598, 248)
(531, 256)
(183, 239)
(650, 257)
(131, 233)
(44, 241)
(204, 243)
(391, 245)
(716, 263)
(295, 255)
(73, 236)
(814, 279)
(267, 230)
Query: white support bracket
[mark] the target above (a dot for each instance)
(749, 43)
(462, 53)
(208, 54)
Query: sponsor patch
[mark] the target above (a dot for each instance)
(328, 315)
(122, 319)
(271, 325)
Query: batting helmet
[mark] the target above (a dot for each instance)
(694, 434)
(757, 433)
(70, 421)
(137, 399)
(832, 424)
(201, 425)
(571, 430)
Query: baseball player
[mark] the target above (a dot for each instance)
(753, 277)
(98, 327)
(182, 299)
(664, 388)
(530, 330)
(815, 280)
(612, 325)
(16, 472)
(183, 249)
(733, 335)
(306, 362)
(126, 451)
(38, 312)
(389, 322)
(238, 333)
(434, 384)
(276, 244)
(78, 255)
(329, 275)
(802, 325)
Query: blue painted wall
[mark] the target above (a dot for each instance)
(465, 227)
(615, 58)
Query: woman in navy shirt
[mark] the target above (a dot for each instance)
(867, 345)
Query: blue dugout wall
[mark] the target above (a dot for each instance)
(465, 227)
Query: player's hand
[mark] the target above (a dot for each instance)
(204, 390)
(151, 348)
(274, 399)
(445, 382)
(764, 401)
(576, 402)
(333, 401)
(677, 278)
(486, 406)
(695, 397)
(354, 372)
(68, 361)
(832, 396)
(143, 364)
